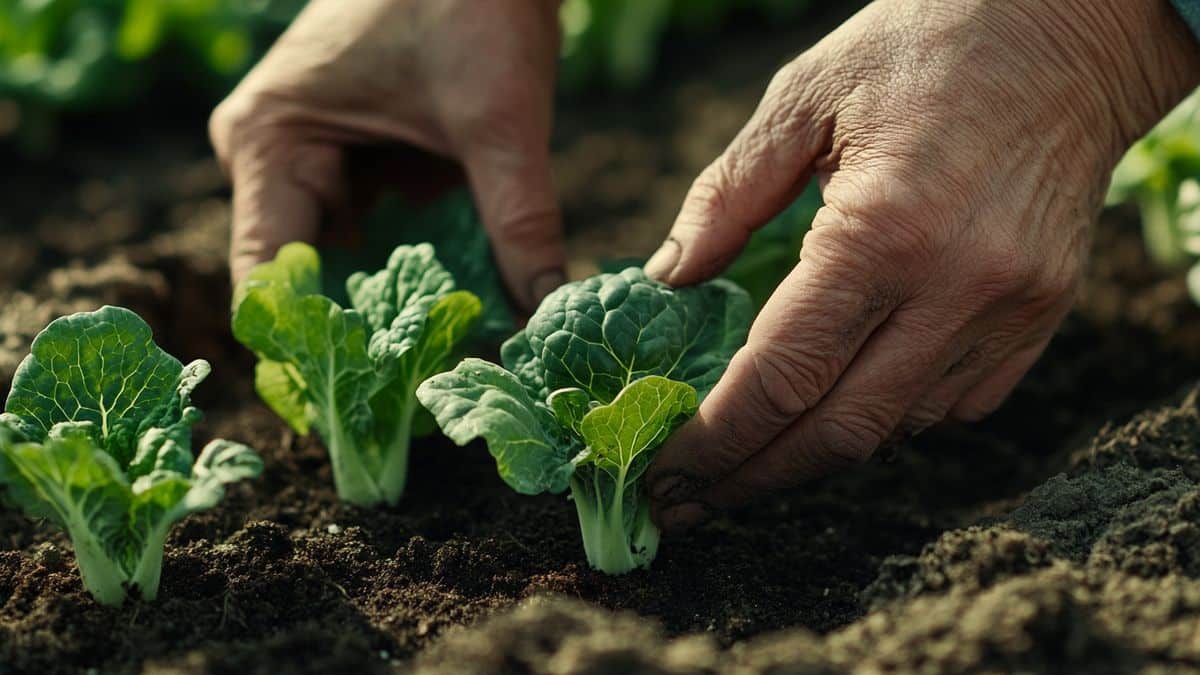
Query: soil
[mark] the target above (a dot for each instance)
(1063, 534)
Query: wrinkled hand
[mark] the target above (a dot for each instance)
(463, 80)
(964, 147)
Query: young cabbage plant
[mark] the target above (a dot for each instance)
(1161, 174)
(604, 371)
(97, 437)
(353, 373)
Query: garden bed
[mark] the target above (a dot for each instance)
(1062, 534)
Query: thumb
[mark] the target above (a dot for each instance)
(764, 168)
(520, 212)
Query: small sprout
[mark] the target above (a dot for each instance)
(97, 437)
(352, 374)
(605, 370)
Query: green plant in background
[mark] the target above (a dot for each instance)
(616, 42)
(85, 53)
(774, 249)
(1161, 174)
(97, 437)
(450, 223)
(353, 373)
(770, 254)
(604, 371)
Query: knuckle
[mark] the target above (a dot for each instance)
(246, 124)
(921, 417)
(231, 115)
(729, 451)
(912, 243)
(534, 226)
(790, 381)
(1040, 284)
(974, 410)
(850, 438)
(706, 198)
(1049, 288)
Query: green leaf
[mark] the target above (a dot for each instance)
(67, 479)
(774, 250)
(296, 266)
(635, 423)
(283, 389)
(605, 370)
(452, 226)
(101, 367)
(324, 344)
(352, 373)
(479, 399)
(605, 332)
(97, 438)
(570, 406)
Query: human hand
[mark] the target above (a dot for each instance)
(467, 81)
(964, 148)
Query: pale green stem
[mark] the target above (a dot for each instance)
(351, 477)
(149, 570)
(611, 548)
(102, 577)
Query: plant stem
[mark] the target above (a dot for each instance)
(102, 577)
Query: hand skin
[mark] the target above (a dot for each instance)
(462, 80)
(964, 148)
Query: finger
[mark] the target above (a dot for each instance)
(520, 211)
(972, 366)
(985, 397)
(901, 362)
(763, 169)
(282, 185)
(805, 336)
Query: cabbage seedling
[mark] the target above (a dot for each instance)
(605, 370)
(352, 373)
(97, 438)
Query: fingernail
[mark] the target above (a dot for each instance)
(546, 283)
(672, 489)
(663, 262)
(683, 517)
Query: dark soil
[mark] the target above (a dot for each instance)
(1061, 535)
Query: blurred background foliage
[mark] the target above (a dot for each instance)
(1161, 174)
(63, 57)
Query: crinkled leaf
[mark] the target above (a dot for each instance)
(479, 399)
(451, 224)
(400, 295)
(602, 333)
(296, 267)
(97, 437)
(352, 373)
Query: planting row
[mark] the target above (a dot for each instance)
(96, 433)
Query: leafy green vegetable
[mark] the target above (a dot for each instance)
(96, 437)
(352, 373)
(616, 42)
(604, 371)
(772, 252)
(774, 249)
(1161, 173)
(450, 224)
